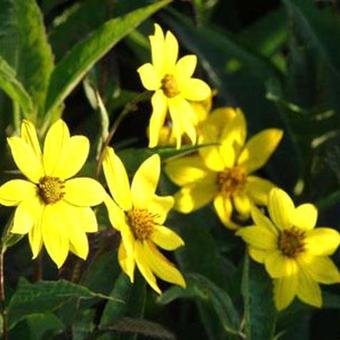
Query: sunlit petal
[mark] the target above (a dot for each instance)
(278, 265)
(224, 209)
(159, 207)
(258, 237)
(126, 262)
(166, 238)
(29, 135)
(171, 52)
(258, 189)
(149, 77)
(15, 191)
(322, 241)
(285, 289)
(195, 89)
(305, 216)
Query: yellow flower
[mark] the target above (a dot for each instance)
(139, 214)
(53, 209)
(173, 85)
(294, 253)
(223, 174)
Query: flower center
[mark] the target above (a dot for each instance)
(291, 242)
(169, 86)
(141, 223)
(231, 180)
(51, 189)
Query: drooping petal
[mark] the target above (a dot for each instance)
(73, 157)
(305, 216)
(285, 289)
(15, 191)
(159, 111)
(145, 181)
(258, 237)
(158, 50)
(259, 148)
(195, 195)
(29, 135)
(83, 192)
(281, 208)
(26, 159)
(171, 52)
(322, 241)
(56, 143)
(166, 238)
(149, 77)
(35, 236)
(127, 263)
(159, 207)
(262, 221)
(161, 266)
(278, 265)
(185, 170)
(224, 208)
(144, 267)
(195, 89)
(242, 204)
(308, 290)
(257, 255)
(185, 68)
(258, 189)
(117, 179)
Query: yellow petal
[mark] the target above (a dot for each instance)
(53, 233)
(195, 89)
(322, 241)
(159, 111)
(145, 181)
(185, 68)
(116, 214)
(117, 179)
(127, 263)
(159, 206)
(196, 195)
(278, 265)
(144, 267)
(308, 290)
(56, 143)
(320, 268)
(26, 159)
(284, 291)
(281, 208)
(258, 237)
(73, 157)
(262, 221)
(149, 77)
(257, 255)
(259, 148)
(83, 192)
(258, 189)
(35, 237)
(15, 191)
(158, 50)
(171, 52)
(242, 204)
(224, 208)
(29, 135)
(161, 266)
(185, 170)
(166, 238)
(87, 219)
(305, 216)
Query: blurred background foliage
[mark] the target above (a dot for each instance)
(277, 60)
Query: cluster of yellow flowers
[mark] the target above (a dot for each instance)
(54, 208)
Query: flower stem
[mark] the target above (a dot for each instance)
(2, 296)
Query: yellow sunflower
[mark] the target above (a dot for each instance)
(224, 173)
(294, 253)
(139, 214)
(174, 87)
(51, 208)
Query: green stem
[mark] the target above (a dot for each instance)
(2, 296)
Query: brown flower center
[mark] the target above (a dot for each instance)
(169, 86)
(291, 242)
(141, 222)
(51, 189)
(231, 180)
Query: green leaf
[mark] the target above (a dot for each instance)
(73, 67)
(201, 288)
(14, 89)
(260, 313)
(46, 296)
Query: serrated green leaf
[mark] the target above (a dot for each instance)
(72, 68)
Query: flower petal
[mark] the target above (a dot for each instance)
(171, 52)
(35, 237)
(262, 221)
(166, 238)
(322, 241)
(161, 266)
(258, 237)
(159, 111)
(149, 77)
(127, 263)
(56, 143)
(195, 89)
(144, 267)
(185, 170)
(15, 191)
(278, 265)
(224, 209)
(26, 159)
(281, 208)
(159, 206)
(116, 214)
(305, 216)
(145, 181)
(195, 195)
(87, 219)
(185, 68)
(242, 204)
(158, 50)
(259, 148)
(284, 291)
(29, 135)
(258, 189)
(117, 179)
(257, 255)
